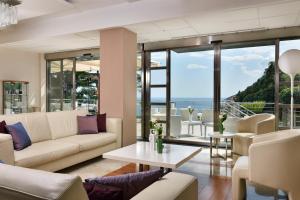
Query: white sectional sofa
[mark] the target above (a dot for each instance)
(55, 142)
(22, 183)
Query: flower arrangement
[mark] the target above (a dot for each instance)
(222, 118)
(191, 110)
(154, 126)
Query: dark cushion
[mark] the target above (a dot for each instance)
(101, 122)
(1, 162)
(102, 192)
(87, 124)
(19, 135)
(2, 127)
(131, 184)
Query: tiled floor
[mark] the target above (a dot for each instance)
(214, 175)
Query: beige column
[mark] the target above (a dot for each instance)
(118, 78)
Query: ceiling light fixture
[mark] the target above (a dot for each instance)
(8, 12)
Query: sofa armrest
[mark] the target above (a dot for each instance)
(174, 185)
(114, 125)
(7, 149)
(274, 160)
(272, 136)
(24, 183)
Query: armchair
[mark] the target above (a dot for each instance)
(248, 127)
(273, 161)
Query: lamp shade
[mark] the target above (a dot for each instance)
(289, 62)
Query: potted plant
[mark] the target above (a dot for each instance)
(222, 118)
(159, 140)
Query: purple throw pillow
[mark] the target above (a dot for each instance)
(101, 122)
(131, 184)
(87, 124)
(102, 192)
(19, 135)
(2, 127)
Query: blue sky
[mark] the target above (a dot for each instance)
(192, 73)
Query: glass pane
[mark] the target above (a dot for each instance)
(285, 91)
(138, 96)
(247, 80)
(158, 77)
(54, 86)
(158, 59)
(158, 95)
(68, 84)
(87, 83)
(191, 86)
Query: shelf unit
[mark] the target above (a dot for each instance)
(15, 96)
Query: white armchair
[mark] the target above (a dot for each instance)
(248, 127)
(274, 161)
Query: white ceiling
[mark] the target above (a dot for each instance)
(274, 14)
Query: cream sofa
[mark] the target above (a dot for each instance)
(55, 142)
(28, 184)
(273, 161)
(248, 127)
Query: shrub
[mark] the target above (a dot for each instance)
(256, 106)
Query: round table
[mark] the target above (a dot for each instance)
(225, 136)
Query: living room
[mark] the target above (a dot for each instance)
(144, 99)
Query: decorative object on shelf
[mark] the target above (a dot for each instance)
(222, 118)
(15, 97)
(159, 140)
(8, 12)
(191, 110)
(289, 63)
(152, 135)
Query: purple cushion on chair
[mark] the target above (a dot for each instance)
(131, 184)
(2, 127)
(101, 122)
(19, 135)
(102, 192)
(87, 124)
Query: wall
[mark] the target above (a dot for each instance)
(25, 66)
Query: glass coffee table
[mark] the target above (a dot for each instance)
(216, 137)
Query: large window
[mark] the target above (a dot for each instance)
(192, 86)
(73, 84)
(247, 80)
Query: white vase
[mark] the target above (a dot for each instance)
(190, 117)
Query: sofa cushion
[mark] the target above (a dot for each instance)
(64, 123)
(19, 136)
(36, 124)
(87, 142)
(102, 192)
(131, 184)
(44, 152)
(2, 127)
(87, 124)
(101, 122)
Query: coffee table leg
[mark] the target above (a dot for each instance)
(225, 148)
(210, 146)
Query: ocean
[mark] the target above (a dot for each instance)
(199, 104)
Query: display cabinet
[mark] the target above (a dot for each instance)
(15, 97)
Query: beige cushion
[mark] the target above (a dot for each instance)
(64, 123)
(43, 152)
(36, 124)
(17, 183)
(90, 141)
(241, 167)
(172, 186)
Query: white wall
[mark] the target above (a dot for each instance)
(22, 66)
